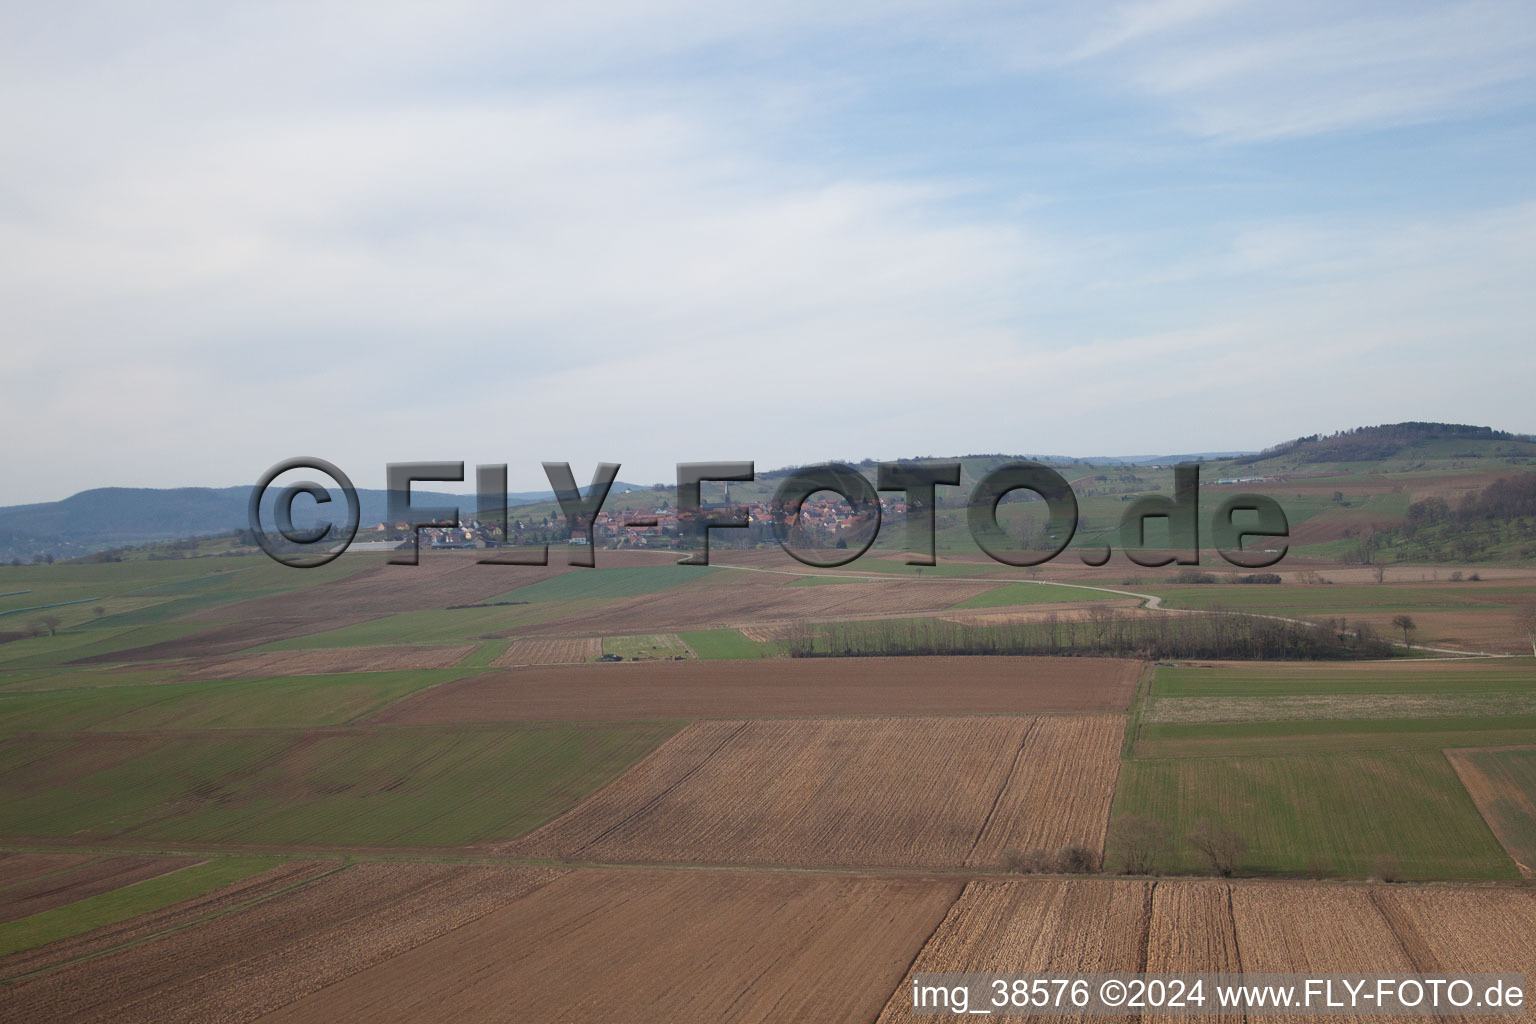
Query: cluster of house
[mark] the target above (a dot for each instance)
(820, 518)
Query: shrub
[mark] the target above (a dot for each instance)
(1075, 859)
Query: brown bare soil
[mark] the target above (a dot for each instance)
(916, 792)
(1068, 926)
(335, 660)
(671, 947)
(551, 651)
(778, 687)
(83, 882)
(20, 867)
(240, 965)
(763, 597)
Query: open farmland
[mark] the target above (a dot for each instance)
(1067, 926)
(343, 787)
(237, 703)
(778, 688)
(663, 947)
(345, 659)
(79, 883)
(196, 963)
(910, 792)
(734, 598)
(1502, 782)
(551, 651)
(1337, 814)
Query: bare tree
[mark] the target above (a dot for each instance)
(1218, 845)
(1406, 624)
(1138, 841)
(1380, 572)
(44, 624)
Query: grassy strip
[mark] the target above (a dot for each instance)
(130, 901)
(727, 645)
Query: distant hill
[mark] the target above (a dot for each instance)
(1393, 440)
(114, 517)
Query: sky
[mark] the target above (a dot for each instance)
(690, 231)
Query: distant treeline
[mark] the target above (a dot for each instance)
(1220, 633)
(1368, 444)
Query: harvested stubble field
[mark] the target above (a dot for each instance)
(551, 651)
(1069, 926)
(199, 965)
(1064, 612)
(336, 660)
(1502, 782)
(778, 688)
(671, 947)
(915, 792)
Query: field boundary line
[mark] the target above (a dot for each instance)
(997, 797)
(659, 796)
(173, 929)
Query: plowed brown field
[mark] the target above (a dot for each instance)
(666, 947)
(858, 792)
(779, 687)
(551, 651)
(341, 659)
(237, 966)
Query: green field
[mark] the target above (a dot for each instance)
(1481, 676)
(406, 786)
(129, 901)
(433, 626)
(286, 701)
(1508, 797)
(727, 645)
(1336, 815)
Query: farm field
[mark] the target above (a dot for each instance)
(195, 963)
(555, 651)
(1063, 926)
(1502, 782)
(1335, 815)
(646, 647)
(235, 703)
(611, 945)
(345, 659)
(1326, 770)
(339, 787)
(918, 792)
(777, 688)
